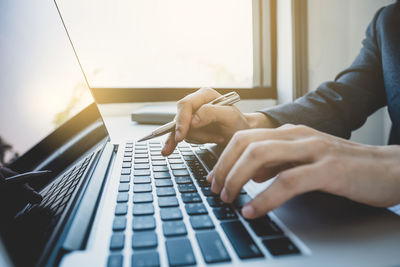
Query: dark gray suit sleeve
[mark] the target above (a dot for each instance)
(343, 105)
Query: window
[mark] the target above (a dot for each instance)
(133, 50)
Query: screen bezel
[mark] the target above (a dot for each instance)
(59, 137)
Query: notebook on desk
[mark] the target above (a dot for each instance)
(124, 204)
(154, 114)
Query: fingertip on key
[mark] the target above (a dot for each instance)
(210, 176)
(248, 211)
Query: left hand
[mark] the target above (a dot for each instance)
(305, 160)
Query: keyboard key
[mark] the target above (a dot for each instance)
(164, 202)
(178, 166)
(142, 166)
(162, 175)
(195, 208)
(191, 198)
(212, 247)
(164, 183)
(125, 171)
(140, 151)
(180, 172)
(207, 191)
(142, 188)
(214, 201)
(224, 213)
(180, 252)
(128, 154)
(141, 223)
(147, 239)
(187, 153)
(143, 209)
(123, 187)
(174, 228)
(168, 214)
(145, 259)
(187, 188)
(203, 182)
(160, 168)
(241, 200)
(126, 165)
(264, 226)
(119, 223)
(141, 173)
(201, 222)
(141, 156)
(139, 161)
(159, 163)
(141, 179)
(241, 241)
(122, 197)
(165, 191)
(189, 158)
(117, 241)
(125, 178)
(183, 180)
(121, 209)
(174, 156)
(115, 260)
(280, 246)
(157, 158)
(127, 159)
(208, 158)
(175, 161)
(142, 197)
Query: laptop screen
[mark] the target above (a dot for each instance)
(41, 83)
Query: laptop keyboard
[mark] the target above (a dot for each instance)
(58, 195)
(149, 180)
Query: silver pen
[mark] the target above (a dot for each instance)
(26, 177)
(224, 100)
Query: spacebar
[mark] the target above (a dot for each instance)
(241, 241)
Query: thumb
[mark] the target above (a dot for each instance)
(207, 114)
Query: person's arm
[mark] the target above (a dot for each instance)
(341, 106)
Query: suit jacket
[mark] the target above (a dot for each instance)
(373, 80)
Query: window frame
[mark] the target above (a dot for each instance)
(264, 66)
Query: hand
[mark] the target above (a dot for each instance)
(196, 121)
(13, 197)
(305, 160)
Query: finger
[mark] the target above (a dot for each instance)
(266, 154)
(202, 136)
(207, 114)
(170, 145)
(237, 145)
(288, 184)
(30, 195)
(187, 106)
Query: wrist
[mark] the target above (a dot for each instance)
(260, 120)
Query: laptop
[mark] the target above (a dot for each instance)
(123, 204)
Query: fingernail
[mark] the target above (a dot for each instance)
(248, 211)
(195, 119)
(224, 195)
(210, 176)
(177, 135)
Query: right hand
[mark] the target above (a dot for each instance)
(197, 121)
